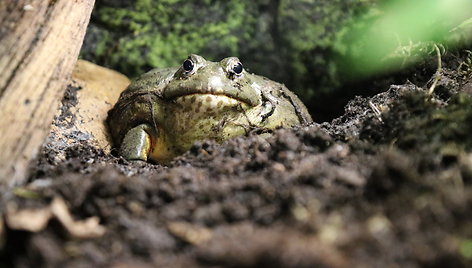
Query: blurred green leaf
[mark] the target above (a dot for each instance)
(404, 31)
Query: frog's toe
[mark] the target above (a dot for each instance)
(136, 144)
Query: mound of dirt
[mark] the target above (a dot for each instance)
(388, 184)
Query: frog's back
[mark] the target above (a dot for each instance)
(153, 82)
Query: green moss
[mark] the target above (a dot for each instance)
(162, 33)
(465, 248)
(102, 44)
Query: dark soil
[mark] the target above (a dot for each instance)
(387, 184)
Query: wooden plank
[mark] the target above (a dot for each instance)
(39, 44)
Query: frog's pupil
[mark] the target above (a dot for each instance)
(188, 65)
(238, 68)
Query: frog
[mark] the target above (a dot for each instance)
(163, 112)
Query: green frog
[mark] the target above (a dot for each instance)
(163, 112)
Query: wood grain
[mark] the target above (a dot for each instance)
(39, 45)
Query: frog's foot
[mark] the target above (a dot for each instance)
(136, 144)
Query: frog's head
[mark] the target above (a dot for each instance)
(197, 76)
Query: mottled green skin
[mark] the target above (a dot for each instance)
(163, 112)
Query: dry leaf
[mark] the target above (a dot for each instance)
(32, 220)
(35, 220)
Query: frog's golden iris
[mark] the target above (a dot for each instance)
(164, 111)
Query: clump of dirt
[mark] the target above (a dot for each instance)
(386, 184)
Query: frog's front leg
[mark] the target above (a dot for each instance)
(136, 144)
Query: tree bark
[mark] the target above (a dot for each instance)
(39, 45)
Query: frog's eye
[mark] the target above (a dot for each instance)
(188, 65)
(237, 68)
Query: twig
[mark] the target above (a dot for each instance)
(377, 113)
(438, 71)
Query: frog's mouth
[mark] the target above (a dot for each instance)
(217, 88)
(201, 102)
(225, 98)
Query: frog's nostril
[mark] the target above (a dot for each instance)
(215, 83)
